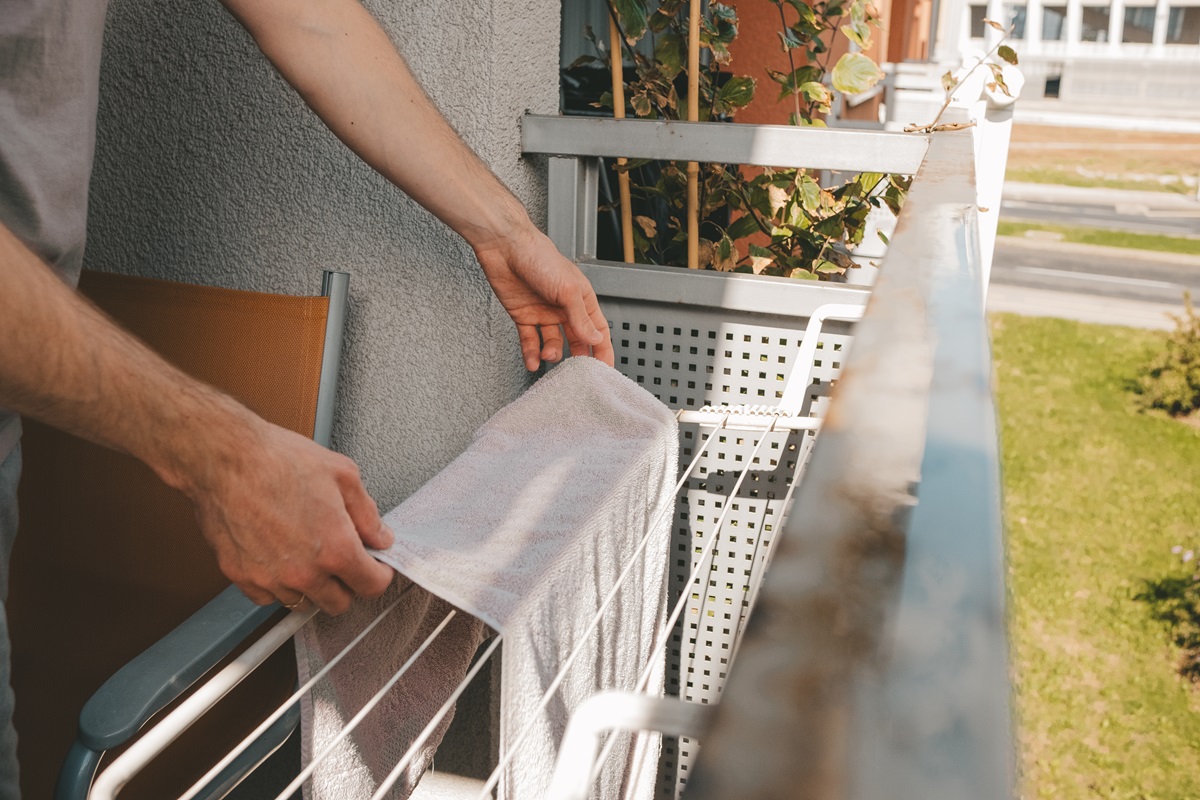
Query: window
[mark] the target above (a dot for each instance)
(1095, 24)
(1054, 23)
(1013, 15)
(978, 13)
(1139, 25)
(1183, 25)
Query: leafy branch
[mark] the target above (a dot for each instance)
(952, 84)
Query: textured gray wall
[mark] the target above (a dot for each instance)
(210, 169)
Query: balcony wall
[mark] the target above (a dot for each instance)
(210, 169)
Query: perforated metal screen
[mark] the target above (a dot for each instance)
(691, 357)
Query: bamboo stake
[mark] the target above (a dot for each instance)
(693, 169)
(618, 93)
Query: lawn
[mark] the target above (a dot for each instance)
(1096, 496)
(1105, 237)
(1115, 159)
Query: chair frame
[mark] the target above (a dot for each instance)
(168, 668)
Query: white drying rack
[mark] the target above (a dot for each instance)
(709, 453)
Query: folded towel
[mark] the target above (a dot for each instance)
(527, 531)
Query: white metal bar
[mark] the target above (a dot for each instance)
(415, 747)
(571, 220)
(199, 785)
(797, 386)
(366, 709)
(716, 142)
(494, 778)
(618, 711)
(156, 739)
(703, 564)
(763, 295)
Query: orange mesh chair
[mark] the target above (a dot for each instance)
(109, 567)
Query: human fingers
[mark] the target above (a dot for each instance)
(552, 342)
(363, 511)
(530, 346)
(602, 350)
(578, 319)
(578, 346)
(330, 595)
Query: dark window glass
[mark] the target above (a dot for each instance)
(1139, 25)
(1183, 25)
(1054, 23)
(1095, 24)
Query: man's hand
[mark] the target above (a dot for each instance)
(541, 290)
(344, 66)
(287, 518)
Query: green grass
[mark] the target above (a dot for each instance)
(1107, 238)
(1064, 177)
(1096, 495)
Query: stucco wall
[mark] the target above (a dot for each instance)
(210, 169)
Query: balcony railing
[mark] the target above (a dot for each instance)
(874, 664)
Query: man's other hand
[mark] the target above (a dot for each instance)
(541, 290)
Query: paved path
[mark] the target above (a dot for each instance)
(1108, 285)
(1151, 212)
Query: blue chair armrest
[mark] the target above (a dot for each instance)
(167, 668)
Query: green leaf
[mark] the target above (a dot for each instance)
(815, 92)
(632, 14)
(1008, 54)
(855, 73)
(867, 181)
(803, 274)
(670, 53)
(949, 81)
(742, 227)
(882, 237)
(790, 40)
(828, 268)
(810, 193)
(760, 259)
(734, 94)
(641, 105)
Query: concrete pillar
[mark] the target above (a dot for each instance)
(1074, 25)
(1116, 22)
(1162, 15)
(1033, 27)
(995, 11)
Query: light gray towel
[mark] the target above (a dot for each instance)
(527, 531)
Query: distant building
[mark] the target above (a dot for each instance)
(1116, 56)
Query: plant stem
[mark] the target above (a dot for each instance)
(970, 72)
(791, 61)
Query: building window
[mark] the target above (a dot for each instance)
(1095, 24)
(1139, 25)
(1183, 25)
(1014, 16)
(1054, 23)
(978, 13)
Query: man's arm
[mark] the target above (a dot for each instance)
(344, 66)
(285, 516)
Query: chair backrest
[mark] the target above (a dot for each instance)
(108, 558)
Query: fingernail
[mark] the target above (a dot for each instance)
(388, 534)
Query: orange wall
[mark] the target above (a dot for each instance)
(757, 48)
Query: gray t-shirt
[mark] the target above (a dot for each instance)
(49, 80)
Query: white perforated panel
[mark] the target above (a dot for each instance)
(690, 358)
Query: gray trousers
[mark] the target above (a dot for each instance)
(10, 474)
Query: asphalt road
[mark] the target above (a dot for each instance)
(1130, 217)
(1131, 275)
